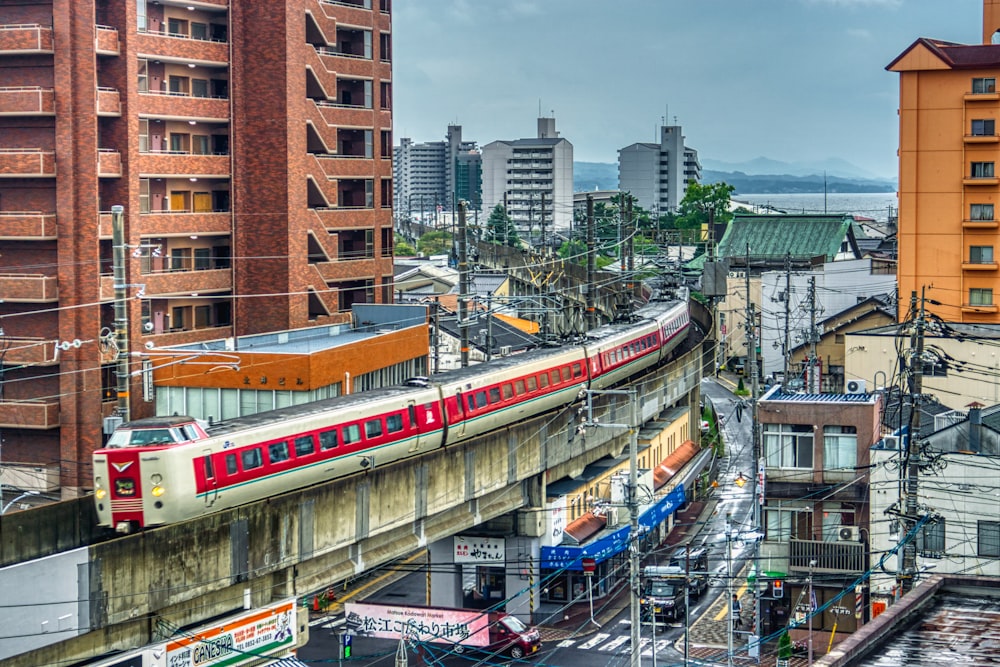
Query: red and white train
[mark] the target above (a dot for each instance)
(167, 469)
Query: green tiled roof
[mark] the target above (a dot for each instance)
(778, 235)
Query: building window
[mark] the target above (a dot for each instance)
(982, 85)
(981, 212)
(140, 15)
(385, 148)
(981, 254)
(143, 75)
(386, 193)
(989, 539)
(983, 128)
(788, 445)
(930, 540)
(386, 95)
(840, 447)
(385, 47)
(982, 170)
(980, 296)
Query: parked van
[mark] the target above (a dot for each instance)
(696, 561)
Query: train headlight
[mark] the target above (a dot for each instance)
(158, 491)
(100, 494)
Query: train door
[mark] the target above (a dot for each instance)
(125, 487)
(211, 481)
(456, 414)
(411, 409)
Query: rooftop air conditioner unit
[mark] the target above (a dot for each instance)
(890, 442)
(505, 350)
(855, 387)
(848, 534)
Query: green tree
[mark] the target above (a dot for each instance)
(785, 647)
(500, 228)
(434, 243)
(402, 248)
(701, 200)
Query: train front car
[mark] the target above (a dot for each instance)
(136, 475)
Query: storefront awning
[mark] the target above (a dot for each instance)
(582, 529)
(290, 661)
(671, 465)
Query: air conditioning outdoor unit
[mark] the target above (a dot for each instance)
(848, 534)
(505, 350)
(855, 387)
(890, 441)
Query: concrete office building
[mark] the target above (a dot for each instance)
(535, 179)
(434, 176)
(657, 174)
(250, 145)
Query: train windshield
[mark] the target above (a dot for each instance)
(145, 437)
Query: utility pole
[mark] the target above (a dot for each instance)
(786, 350)
(591, 265)
(812, 373)
(121, 308)
(909, 570)
(463, 284)
(489, 327)
(542, 225)
(758, 477)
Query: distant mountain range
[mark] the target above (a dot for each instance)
(759, 176)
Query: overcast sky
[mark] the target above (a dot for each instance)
(791, 80)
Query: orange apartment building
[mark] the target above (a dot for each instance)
(949, 184)
(250, 143)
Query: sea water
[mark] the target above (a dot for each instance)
(872, 205)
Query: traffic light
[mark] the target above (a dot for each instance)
(345, 644)
(778, 588)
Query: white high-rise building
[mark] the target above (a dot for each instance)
(657, 174)
(432, 177)
(535, 177)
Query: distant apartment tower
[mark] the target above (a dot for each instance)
(534, 177)
(250, 145)
(657, 175)
(436, 175)
(949, 186)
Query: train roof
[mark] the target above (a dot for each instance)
(649, 312)
(159, 422)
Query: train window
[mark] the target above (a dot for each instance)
(494, 395)
(209, 470)
(328, 439)
(481, 399)
(190, 432)
(532, 384)
(304, 445)
(577, 370)
(566, 374)
(543, 380)
(519, 387)
(252, 458)
(278, 452)
(508, 393)
(394, 423)
(231, 467)
(413, 416)
(555, 376)
(351, 434)
(373, 428)
(472, 401)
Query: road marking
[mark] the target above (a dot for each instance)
(566, 643)
(615, 643)
(725, 607)
(661, 645)
(595, 640)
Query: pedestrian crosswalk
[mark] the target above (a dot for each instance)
(607, 643)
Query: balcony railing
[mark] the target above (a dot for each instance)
(205, 281)
(40, 414)
(109, 102)
(29, 287)
(169, 45)
(829, 556)
(106, 41)
(109, 163)
(183, 105)
(26, 38)
(28, 351)
(27, 163)
(27, 100)
(27, 226)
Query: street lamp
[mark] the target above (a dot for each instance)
(20, 497)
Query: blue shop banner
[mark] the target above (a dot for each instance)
(558, 558)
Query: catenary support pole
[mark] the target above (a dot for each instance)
(463, 284)
(121, 308)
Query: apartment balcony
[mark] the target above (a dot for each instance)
(27, 101)
(981, 309)
(344, 64)
(980, 224)
(40, 414)
(982, 97)
(982, 138)
(980, 181)
(27, 163)
(180, 223)
(106, 41)
(25, 38)
(183, 49)
(29, 288)
(337, 270)
(27, 226)
(980, 266)
(173, 283)
(830, 557)
(351, 12)
(346, 115)
(336, 167)
(29, 351)
(109, 163)
(168, 164)
(181, 105)
(109, 102)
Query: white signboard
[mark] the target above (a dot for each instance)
(245, 639)
(479, 549)
(422, 624)
(557, 522)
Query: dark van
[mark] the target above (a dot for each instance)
(697, 561)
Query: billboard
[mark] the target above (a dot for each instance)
(423, 624)
(244, 639)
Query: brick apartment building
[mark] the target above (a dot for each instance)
(250, 144)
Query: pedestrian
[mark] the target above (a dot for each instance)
(737, 608)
